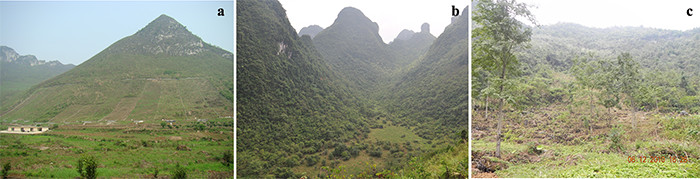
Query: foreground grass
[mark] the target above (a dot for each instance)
(586, 161)
(134, 154)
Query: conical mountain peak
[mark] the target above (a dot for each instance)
(163, 25)
(164, 35)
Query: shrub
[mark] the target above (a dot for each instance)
(87, 167)
(180, 172)
(312, 160)
(228, 158)
(377, 152)
(155, 173)
(6, 170)
(615, 136)
(533, 148)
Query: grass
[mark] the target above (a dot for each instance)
(588, 161)
(394, 134)
(120, 154)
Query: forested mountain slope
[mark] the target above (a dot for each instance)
(409, 45)
(657, 49)
(668, 59)
(291, 106)
(352, 47)
(163, 71)
(433, 92)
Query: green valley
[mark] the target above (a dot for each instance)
(346, 104)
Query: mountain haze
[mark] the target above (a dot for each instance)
(352, 47)
(409, 46)
(20, 72)
(311, 30)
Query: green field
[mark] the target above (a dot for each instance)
(594, 155)
(131, 152)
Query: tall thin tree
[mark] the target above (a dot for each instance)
(496, 35)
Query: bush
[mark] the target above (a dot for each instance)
(180, 172)
(284, 173)
(533, 148)
(87, 167)
(228, 158)
(6, 170)
(377, 152)
(615, 136)
(312, 160)
(155, 173)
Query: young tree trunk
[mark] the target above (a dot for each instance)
(498, 130)
(590, 123)
(501, 106)
(487, 109)
(634, 114)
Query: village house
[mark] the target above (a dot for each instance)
(25, 130)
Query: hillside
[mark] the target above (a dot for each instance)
(433, 92)
(163, 71)
(589, 102)
(20, 72)
(291, 107)
(409, 45)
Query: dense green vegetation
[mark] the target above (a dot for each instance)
(290, 105)
(335, 106)
(580, 101)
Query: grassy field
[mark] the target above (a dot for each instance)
(594, 154)
(127, 152)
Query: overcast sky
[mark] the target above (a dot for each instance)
(72, 32)
(667, 14)
(392, 16)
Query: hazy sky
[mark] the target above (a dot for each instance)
(72, 32)
(669, 14)
(392, 15)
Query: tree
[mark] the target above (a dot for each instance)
(628, 74)
(180, 172)
(496, 35)
(163, 124)
(585, 71)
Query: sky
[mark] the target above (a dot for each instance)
(392, 16)
(73, 32)
(668, 14)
